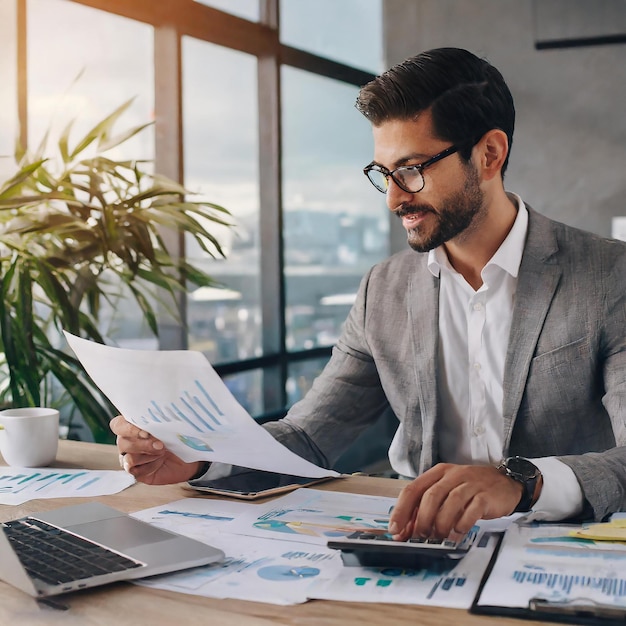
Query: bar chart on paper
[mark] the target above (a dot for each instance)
(177, 396)
(195, 410)
(576, 585)
(18, 485)
(548, 562)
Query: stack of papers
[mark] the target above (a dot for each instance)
(276, 552)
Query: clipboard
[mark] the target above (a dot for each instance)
(575, 610)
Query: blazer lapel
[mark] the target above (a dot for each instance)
(538, 278)
(423, 305)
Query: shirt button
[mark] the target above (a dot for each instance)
(476, 366)
(478, 306)
(479, 430)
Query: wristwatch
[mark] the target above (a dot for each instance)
(523, 471)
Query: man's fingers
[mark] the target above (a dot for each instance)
(474, 511)
(450, 499)
(402, 518)
(133, 439)
(443, 517)
(123, 428)
(141, 465)
(139, 446)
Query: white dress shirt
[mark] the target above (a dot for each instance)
(474, 330)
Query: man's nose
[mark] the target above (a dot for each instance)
(396, 196)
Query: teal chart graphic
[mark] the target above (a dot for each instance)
(609, 586)
(286, 573)
(195, 409)
(20, 484)
(41, 481)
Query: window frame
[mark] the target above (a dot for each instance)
(172, 20)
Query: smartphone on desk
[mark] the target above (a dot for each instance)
(255, 484)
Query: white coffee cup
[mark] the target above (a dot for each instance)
(29, 437)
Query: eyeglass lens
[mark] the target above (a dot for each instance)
(410, 179)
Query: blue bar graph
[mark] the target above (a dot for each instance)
(38, 482)
(196, 408)
(571, 583)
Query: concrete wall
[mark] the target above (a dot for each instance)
(569, 152)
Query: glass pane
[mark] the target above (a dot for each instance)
(334, 228)
(349, 31)
(300, 377)
(115, 64)
(221, 164)
(247, 388)
(248, 9)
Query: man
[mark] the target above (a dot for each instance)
(501, 334)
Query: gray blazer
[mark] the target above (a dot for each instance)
(565, 371)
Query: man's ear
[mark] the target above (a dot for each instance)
(492, 150)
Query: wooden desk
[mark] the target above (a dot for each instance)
(124, 604)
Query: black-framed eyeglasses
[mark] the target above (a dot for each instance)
(408, 177)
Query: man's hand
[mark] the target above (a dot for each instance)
(447, 500)
(146, 458)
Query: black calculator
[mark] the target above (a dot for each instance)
(375, 549)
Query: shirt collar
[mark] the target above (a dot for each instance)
(508, 256)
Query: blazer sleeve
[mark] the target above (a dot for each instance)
(344, 400)
(602, 475)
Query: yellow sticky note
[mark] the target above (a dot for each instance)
(610, 531)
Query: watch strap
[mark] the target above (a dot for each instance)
(531, 482)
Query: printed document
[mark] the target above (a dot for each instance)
(20, 484)
(178, 397)
(276, 552)
(547, 562)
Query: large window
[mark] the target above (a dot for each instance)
(243, 8)
(334, 229)
(115, 64)
(221, 155)
(348, 31)
(253, 103)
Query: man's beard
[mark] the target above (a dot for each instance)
(454, 215)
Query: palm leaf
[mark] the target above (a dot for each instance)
(101, 130)
(75, 232)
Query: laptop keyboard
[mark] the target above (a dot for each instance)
(56, 556)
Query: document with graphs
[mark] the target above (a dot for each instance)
(555, 570)
(178, 397)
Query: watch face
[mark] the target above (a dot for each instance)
(523, 467)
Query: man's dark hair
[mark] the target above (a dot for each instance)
(467, 96)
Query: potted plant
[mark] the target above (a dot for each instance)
(76, 231)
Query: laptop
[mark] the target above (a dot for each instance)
(88, 545)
